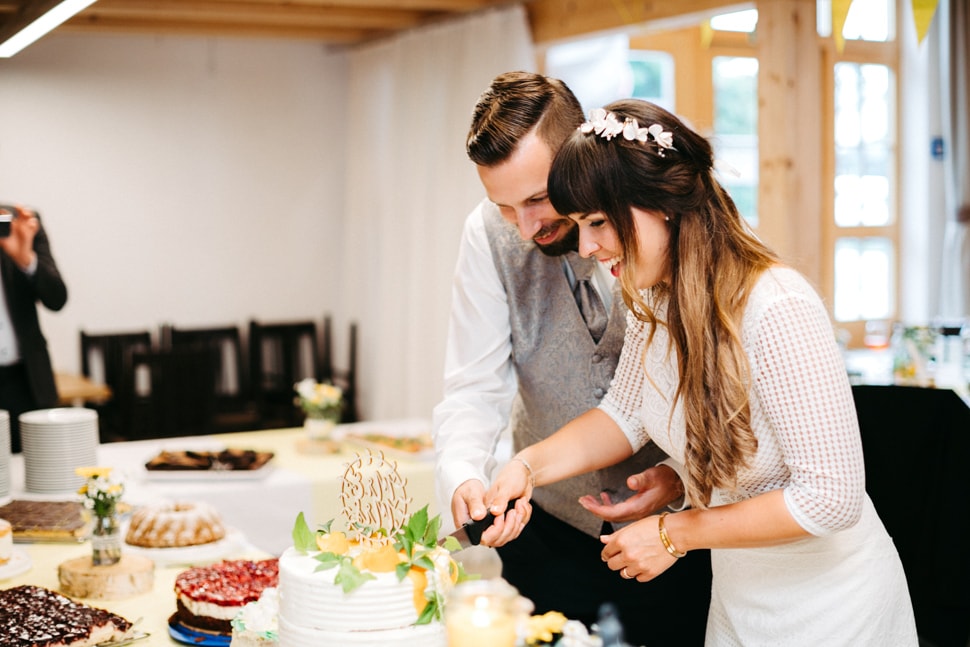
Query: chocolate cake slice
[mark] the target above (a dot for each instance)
(32, 616)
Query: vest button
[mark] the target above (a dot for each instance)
(598, 393)
(596, 358)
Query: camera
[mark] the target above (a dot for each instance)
(7, 214)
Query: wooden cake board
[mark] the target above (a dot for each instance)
(133, 575)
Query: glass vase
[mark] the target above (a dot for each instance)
(106, 540)
(319, 428)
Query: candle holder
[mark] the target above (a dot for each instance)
(485, 613)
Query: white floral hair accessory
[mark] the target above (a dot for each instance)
(606, 125)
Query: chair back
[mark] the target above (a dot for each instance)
(230, 378)
(174, 393)
(106, 359)
(280, 355)
(345, 378)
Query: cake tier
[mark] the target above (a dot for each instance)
(431, 635)
(310, 597)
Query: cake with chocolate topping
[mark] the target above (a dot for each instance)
(45, 520)
(32, 616)
(209, 597)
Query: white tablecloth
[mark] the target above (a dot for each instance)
(263, 509)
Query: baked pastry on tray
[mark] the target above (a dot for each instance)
(32, 616)
(226, 459)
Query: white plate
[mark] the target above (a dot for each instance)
(208, 475)
(412, 428)
(19, 563)
(59, 416)
(191, 555)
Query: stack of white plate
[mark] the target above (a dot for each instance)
(4, 454)
(55, 443)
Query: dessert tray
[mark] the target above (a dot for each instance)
(405, 439)
(223, 465)
(18, 564)
(192, 555)
(46, 521)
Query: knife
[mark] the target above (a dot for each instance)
(470, 533)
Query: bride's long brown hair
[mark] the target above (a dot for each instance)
(713, 260)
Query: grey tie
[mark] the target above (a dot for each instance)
(588, 300)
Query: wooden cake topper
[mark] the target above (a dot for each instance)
(373, 494)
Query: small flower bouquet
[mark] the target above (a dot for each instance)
(101, 495)
(101, 492)
(319, 400)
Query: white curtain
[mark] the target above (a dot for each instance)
(409, 188)
(954, 17)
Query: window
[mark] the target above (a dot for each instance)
(863, 217)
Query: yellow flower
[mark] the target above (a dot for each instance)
(93, 472)
(542, 628)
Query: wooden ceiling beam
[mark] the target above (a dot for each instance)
(272, 12)
(560, 20)
(220, 28)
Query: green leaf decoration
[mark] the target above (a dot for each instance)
(432, 610)
(451, 544)
(418, 524)
(328, 561)
(402, 570)
(349, 576)
(430, 538)
(304, 540)
(425, 562)
(325, 527)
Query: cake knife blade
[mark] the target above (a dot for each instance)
(470, 532)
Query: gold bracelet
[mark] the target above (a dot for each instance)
(528, 468)
(669, 545)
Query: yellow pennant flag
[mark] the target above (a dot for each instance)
(923, 11)
(707, 34)
(840, 9)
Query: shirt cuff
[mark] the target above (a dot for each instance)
(31, 268)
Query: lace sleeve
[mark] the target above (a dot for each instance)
(805, 394)
(624, 400)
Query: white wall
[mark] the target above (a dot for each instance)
(186, 180)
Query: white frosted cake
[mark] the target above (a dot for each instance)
(6, 541)
(257, 624)
(372, 591)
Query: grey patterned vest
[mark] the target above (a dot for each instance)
(562, 372)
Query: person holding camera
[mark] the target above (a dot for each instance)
(28, 274)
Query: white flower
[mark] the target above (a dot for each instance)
(632, 131)
(603, 123)
(664, 139)
(318, 400)
(606, 125)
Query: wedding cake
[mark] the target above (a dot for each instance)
(381, 583)
(371, 591)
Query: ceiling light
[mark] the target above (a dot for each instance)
(34, 29)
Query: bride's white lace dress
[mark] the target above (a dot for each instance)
(845, 584)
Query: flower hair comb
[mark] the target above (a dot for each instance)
(606, 125)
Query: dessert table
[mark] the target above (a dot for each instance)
(150, 610)
(262, 508)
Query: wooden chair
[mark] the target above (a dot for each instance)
(346, 379)
(915, 443)
(235, 409)
(280, 355)
(173, 393)
(106, 359)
